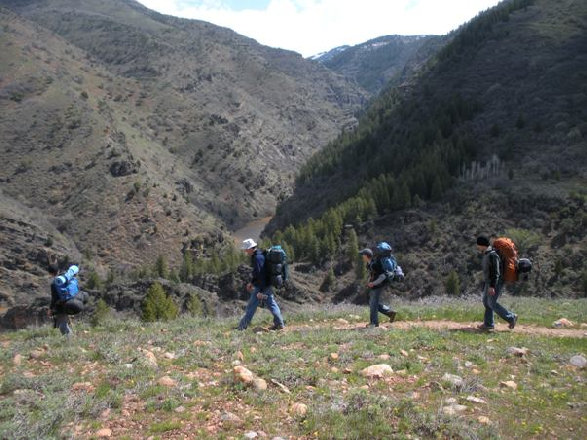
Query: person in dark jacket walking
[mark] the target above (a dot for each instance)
(259, 288)
(378, 280)
(492, 287)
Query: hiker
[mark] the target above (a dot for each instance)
(259, 288)
(493, 283)
(66, 298)
(378, 280)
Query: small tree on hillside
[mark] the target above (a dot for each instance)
(161, 269)
(452, 283)
(158, 306)
(352, 247)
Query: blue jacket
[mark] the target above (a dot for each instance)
(259, 275)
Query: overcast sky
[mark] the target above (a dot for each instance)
(313, 26)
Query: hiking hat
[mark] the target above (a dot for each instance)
(249, 243)
(482, 241)
(367, 252)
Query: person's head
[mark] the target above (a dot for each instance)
(249, 246)
(482, 243)
(367, 254)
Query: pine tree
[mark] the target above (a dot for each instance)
(452, 283)
(158, 306)
(352, 247)
(187, 267)
(161, 269)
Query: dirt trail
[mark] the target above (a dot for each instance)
(446, 325)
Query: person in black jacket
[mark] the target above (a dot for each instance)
(378, 280)
(61, 309)
(259, 288)
(493, 283)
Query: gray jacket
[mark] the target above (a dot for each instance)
(491, 265)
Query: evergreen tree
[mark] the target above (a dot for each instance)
(352, 247)
(452, 283)
(161, 269)
(158, 306)
(187, 267)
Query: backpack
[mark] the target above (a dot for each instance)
(392, 270)
(276, 266)
(511, 265)
(66, 284)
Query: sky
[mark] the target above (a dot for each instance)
(310, 27)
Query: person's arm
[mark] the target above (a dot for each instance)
(258, 263)
(494, 271)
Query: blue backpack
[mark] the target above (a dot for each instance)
(66, 284)
(392, 270)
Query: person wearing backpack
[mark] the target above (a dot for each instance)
(260, 288)
(378, 280)
(66, 298)
(493, 283)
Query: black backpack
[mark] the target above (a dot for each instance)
(276, 266)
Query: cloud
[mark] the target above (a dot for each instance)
(313, 26)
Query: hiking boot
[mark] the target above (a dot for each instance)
(391, 315)
(484, 327)
(513, 322)
(277, 327)
(371, 325)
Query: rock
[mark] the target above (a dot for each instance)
(104, 432)
(377, 371)
(515, 351)
(37, 354)
(509, 384)
(82, 386)
(240, 356)
(484, 420)
(259, 384)
(453, 379)
(342, 321)
(334, 356)
(578, 361)
(150, 358)
(299, 409)
(251, 435)
(453, 409)
(563, 323)
(404, 353)
(180, 409)
(167, 381)
(281, 386)
(475, 399)
(168, 355)
(384, 357)
(17, 360)
(243, 375)
(231, 418)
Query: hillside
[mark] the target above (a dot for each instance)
(384, 61)
(490, 139)
(325, 376)
(127, 134)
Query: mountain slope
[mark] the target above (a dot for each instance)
(490, 139)
(130, 134)
(383, 61)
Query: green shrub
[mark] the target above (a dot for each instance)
(194, 305)
(101, 314)
(158, 306)
(452, 283)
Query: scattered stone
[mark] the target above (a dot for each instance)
(169, 355)
(104, 432)
(82, 386)
(347, 370)
(150, 358)
(453, 409)
(475, 399)
(259, 384)
(17, 360)
(578, 361)
(334, 356)
(509, 384)
(240, 356)
(404, 353)
(299, 409)
(342, 321)
(484, 420)
(243, 375)
(515, 351)
(384, 357)
(469, 364)
(231, 418)
(377, 371)
(37, 354)
(180, 409)
(281, 386)
(167, 381)
(251, 435)
(453, 379)
(333, 370)
(105, 414)
(451, 400)
(563, 323)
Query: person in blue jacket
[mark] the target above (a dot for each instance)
(259, 288)
(66, 298)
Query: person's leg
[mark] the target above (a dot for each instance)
(501, 311)
(250, 310)
(488, 316)
(274, 309)
(62, 323)
(374, 295)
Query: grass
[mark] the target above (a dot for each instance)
(39, 397)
